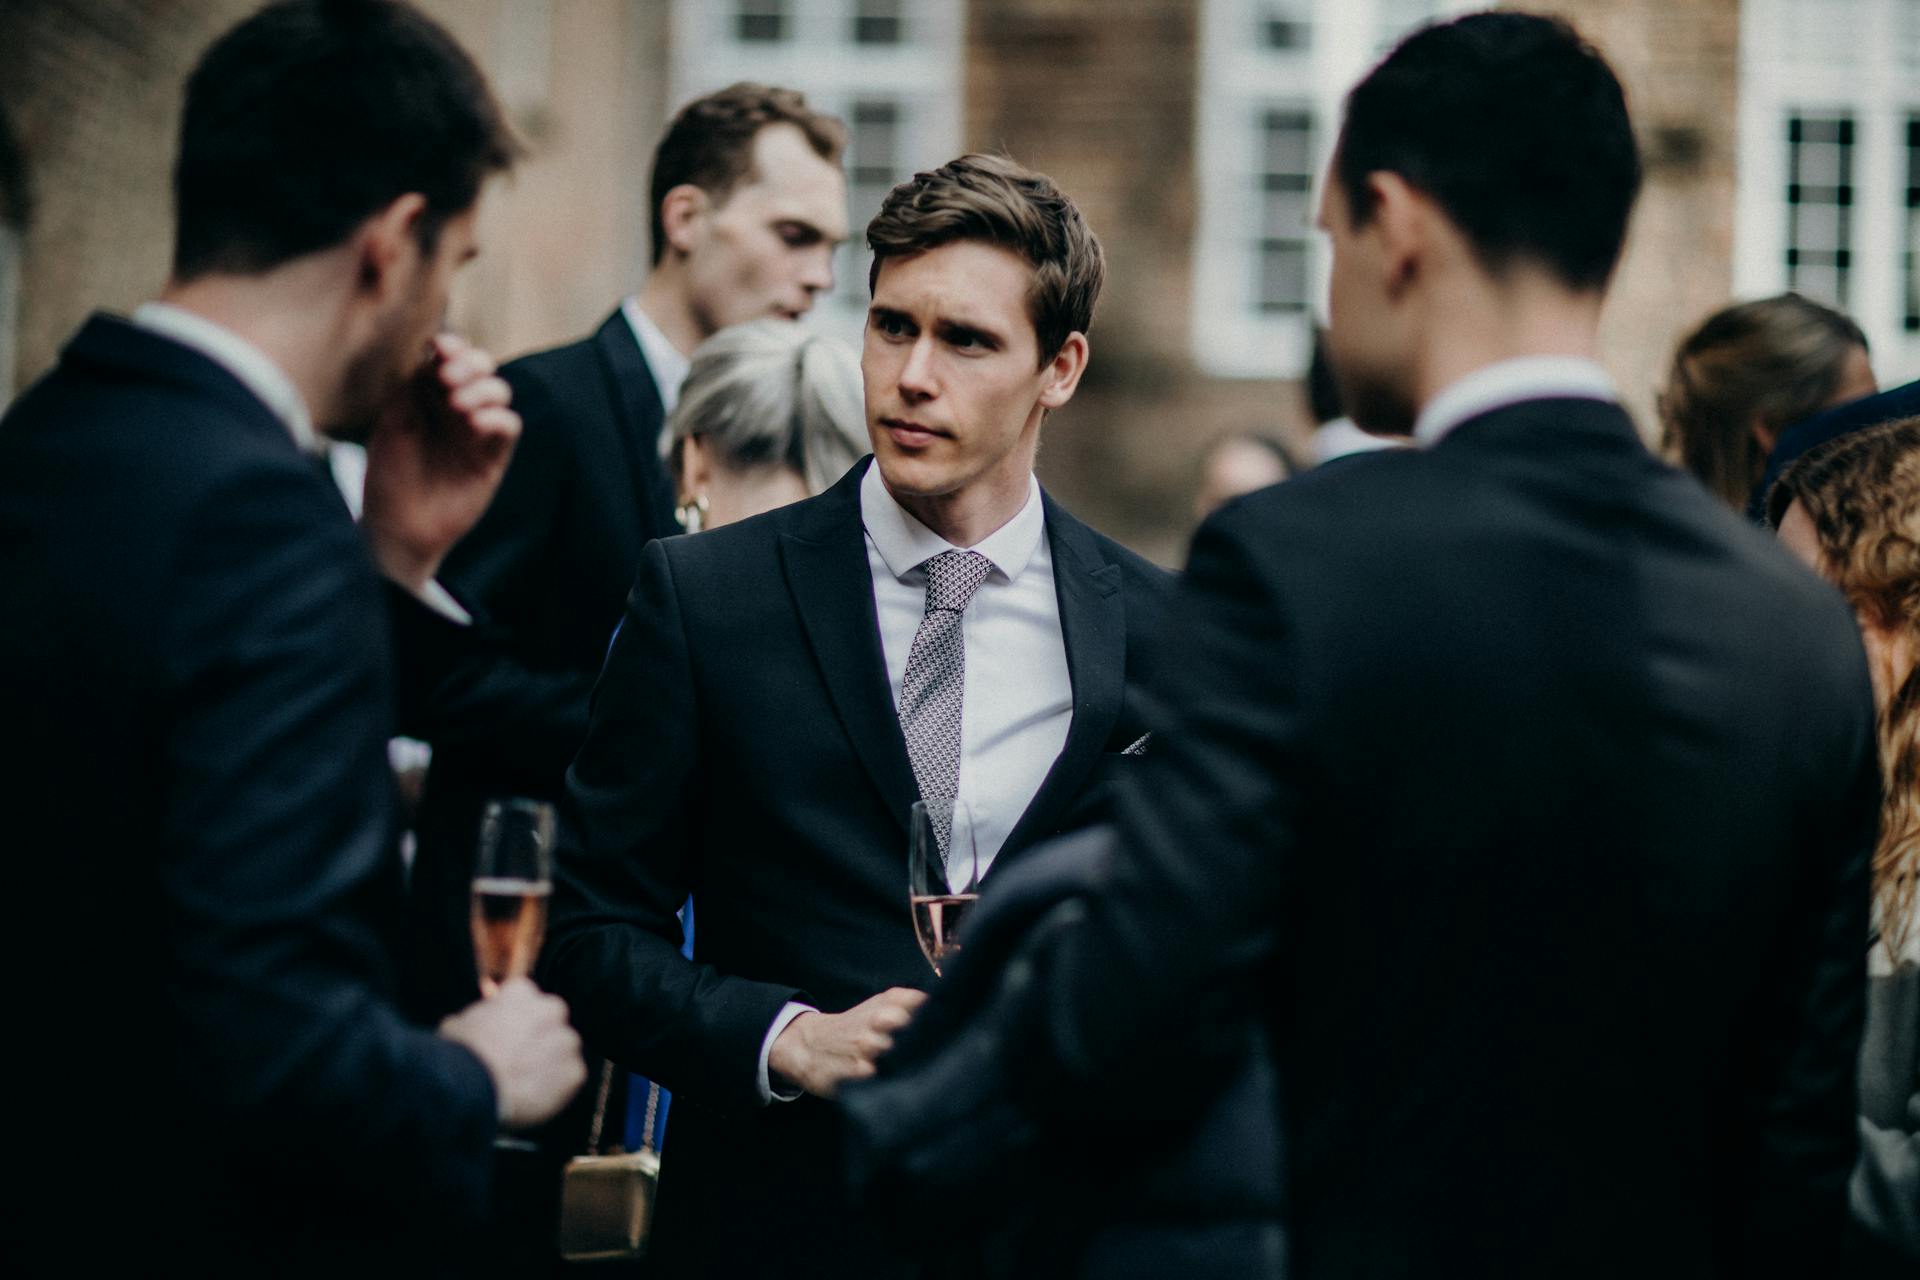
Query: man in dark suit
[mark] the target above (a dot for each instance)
(201, 832)
(1521, 790)
(748, 205)
(781, 692)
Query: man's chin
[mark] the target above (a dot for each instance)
(913, 477)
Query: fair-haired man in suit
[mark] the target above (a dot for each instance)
(1523, 793)
(783, 689)
(748, 205)
(202, 835)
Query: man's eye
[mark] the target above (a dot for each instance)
(797, 237)
(890, 326)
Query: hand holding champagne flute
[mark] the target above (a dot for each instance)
(512, 879)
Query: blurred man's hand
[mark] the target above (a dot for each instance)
(522, 1038)
(435, 459)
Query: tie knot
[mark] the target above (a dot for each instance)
(953, 577)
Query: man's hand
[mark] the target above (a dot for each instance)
(818, 1051)
(522, 1038)
(435, 459)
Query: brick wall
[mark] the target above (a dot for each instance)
(1680, 65)
(1100, 94)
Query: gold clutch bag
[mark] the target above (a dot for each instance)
(606, 1201)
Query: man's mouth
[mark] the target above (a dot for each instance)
(912, 435)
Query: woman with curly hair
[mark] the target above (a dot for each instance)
(1851, 510)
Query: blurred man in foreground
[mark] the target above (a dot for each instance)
(1521, 789)
(202, 833)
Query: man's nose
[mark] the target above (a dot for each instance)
(916, 376)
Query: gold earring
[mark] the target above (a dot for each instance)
(692, 515)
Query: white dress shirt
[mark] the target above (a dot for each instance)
(1341, 438)
(1508, 382)
(257, 372)
(1017, 703)
(253, 367)
(668, 364)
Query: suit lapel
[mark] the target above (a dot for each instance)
(825, 560)
(1093, 623)
(639, 415)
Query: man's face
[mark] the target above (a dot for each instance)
(402, 335)
(767, 249)
(1366, 333)
(952, 370)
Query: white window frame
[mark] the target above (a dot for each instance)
(1241, 81)
(924, 75)
(1879, 93)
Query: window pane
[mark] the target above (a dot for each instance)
(877, 22)
(873, 149)
(1281, 25)
(1819, 282)
(760, 21)
(1910, 320)
(1819, 206)
(1289, 143)
(1283, 276)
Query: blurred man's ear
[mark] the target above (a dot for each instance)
(681, 210)
(386, 239)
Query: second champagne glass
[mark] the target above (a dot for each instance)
(512, 879)
(943, 877)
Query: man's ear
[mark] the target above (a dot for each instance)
(1402, 218)
(1063, 371)
(682, 210)
(389, 238)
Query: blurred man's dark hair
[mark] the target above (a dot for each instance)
(1516, 127)
(310, 116)
(710, 143)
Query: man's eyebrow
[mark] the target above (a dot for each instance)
(879, 312)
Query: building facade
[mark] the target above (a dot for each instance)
(1782, 141)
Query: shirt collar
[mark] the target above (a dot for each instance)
(1511, 382)
(668, 364)
(1341, 437)
(255, 369)
(905, 544)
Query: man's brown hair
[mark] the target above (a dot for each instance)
(710, 142)
(996, 201)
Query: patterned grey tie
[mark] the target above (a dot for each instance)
(930, 695)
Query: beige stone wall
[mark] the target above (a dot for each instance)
(91, 91)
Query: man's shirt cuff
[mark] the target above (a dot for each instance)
(792, 1010)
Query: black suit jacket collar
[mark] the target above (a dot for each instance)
(119, 347)
(635, 396)
(1538, 423)
(824, 553)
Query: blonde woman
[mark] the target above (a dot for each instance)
(1851, 510)
(770, 413)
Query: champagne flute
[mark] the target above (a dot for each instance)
(512, 879)
(942, 885)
